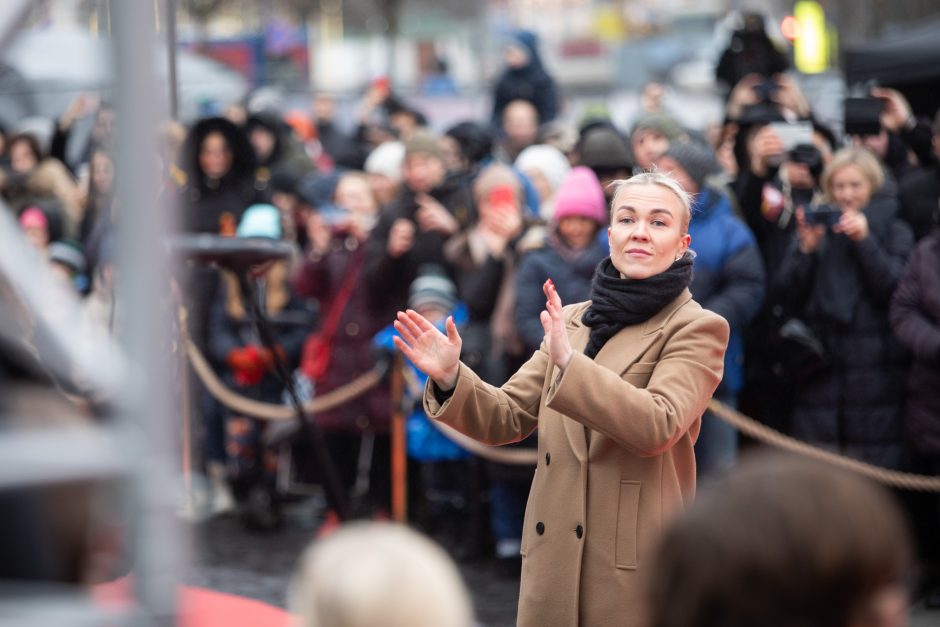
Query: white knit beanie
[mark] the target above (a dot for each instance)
(386, 159)
(546, 159)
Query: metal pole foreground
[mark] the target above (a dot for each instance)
(143, 289)
(170, 26)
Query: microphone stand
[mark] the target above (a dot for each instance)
(309, 431)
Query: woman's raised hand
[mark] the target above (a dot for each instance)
(556, 337)
(435, 354)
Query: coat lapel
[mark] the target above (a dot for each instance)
(624, 349)
(618, 354)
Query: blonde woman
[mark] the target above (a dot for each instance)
(839, 275)
(617, 390)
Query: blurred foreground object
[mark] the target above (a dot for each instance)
(379, 575)
(789, 542)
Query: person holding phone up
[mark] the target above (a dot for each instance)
(840, 279)
(617, 390)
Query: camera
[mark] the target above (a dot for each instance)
(863, 115)
(825, 214)
(808, 155)
(793, 134)
(766, 89)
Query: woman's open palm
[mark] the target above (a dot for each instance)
(435, 354)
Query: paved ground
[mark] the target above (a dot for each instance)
(259, 566)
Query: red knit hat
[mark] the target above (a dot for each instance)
(580, 194)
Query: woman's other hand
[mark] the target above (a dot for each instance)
(433, 216)
(810, 234)
(556, 337)
(853, 224)
(435, 354)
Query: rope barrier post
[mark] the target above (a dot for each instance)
(398, 444)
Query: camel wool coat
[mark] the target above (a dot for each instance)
(616, 461)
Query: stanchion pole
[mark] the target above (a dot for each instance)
(398, 444)
(186, 397)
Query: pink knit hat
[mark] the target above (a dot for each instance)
(34, 218)
(580, 194)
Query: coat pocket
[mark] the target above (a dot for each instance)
(639, 373)
(628, 511)
(528, 519)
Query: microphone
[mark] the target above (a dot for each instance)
(233, 253)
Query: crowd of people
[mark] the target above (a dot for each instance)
(819, 248)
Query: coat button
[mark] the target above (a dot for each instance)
(548, 458)
(352, 329)
(539, 528)
(579, 531)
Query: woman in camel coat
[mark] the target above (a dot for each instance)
(617, 390)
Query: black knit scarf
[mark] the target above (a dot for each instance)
(618, 302)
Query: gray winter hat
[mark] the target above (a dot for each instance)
(697, 160)
(433, 289)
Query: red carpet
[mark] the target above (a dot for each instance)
(199, 607)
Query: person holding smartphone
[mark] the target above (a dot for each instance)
(616, 389)
(485, 258)
(840, 280)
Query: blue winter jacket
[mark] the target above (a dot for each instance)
(728, 276)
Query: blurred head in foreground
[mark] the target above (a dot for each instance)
(781, 542)
(379, 575)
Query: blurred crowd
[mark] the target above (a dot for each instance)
(818, 245)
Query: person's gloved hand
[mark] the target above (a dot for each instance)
(238, 359)
(247, 365)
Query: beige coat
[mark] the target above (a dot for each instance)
(616, 463)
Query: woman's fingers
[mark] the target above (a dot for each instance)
(421, 323)
(406, 350)
(408, 323)
(546, 319)
(406, 335)
(452, 333)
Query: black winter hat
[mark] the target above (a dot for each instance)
(475, 140)
(604, 147)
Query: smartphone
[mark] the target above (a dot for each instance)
(502, 195)
(863, 115)
(766, 89)
(827, 215)
(793, 134)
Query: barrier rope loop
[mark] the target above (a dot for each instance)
(523, 457)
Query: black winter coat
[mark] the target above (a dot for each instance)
(855, 405)
(214, 206)
(915, 318)
(920, 194)
(572, 277)
(389, 279)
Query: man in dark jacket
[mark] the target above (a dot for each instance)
(412, 230)
(728, 279)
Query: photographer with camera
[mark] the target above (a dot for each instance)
(750, 51)
(883, 122)
(920, 190)
(840, 274)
